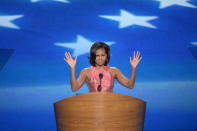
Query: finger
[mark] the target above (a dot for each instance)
(66, 53)
(140, 59)
(134, 54)
(65, 59)
(69, 55)
(138, 54)
(76, 58)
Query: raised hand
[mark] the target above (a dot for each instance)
(68, 58)
(136, 59)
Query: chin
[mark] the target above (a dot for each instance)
(100, 64)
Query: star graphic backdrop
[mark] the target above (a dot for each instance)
(34, 34)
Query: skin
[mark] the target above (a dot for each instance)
(101, 57)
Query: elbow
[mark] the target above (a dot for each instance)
(74, 89)
(130, 86)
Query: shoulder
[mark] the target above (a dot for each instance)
(115, 71)
(86, 70)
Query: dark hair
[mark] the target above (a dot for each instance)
(94, 48)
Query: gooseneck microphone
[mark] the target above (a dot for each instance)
(99, 86)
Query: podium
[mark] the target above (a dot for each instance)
(100, 111)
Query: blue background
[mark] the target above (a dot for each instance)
(34, 75)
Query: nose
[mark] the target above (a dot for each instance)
(99, 57)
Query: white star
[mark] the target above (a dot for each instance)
(64, 1)
(194, 43)
(166, 3)
(82, 46)
(127, 19)
(6, 21)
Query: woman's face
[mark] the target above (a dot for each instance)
(101, 57)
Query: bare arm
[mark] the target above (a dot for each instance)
(75, 83)
(129, 83)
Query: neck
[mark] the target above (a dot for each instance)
(102, 67)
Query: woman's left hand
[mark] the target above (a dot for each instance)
(136, 59)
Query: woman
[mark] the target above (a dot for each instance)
(100, 77)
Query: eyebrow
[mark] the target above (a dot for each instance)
(101, 54)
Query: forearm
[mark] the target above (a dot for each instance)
(73, 81)
(131, 82)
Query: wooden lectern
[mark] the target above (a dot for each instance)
(100, 111)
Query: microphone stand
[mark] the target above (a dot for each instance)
(99, 86)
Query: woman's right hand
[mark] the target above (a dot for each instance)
(68, 58)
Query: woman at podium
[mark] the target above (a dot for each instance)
(100, 76)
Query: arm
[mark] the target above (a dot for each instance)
(129, 83)
(75, 84)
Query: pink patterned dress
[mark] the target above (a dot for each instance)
(107, 82)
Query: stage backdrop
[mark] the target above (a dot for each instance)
(34, 34)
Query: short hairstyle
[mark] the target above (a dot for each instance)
(94, 48)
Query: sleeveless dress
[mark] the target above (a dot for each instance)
(107, 82)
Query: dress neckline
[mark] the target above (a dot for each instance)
(106, 69)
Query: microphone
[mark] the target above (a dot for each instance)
(101, 76)
(99, 86)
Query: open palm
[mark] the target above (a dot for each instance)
(68, 58)
(136, 59)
